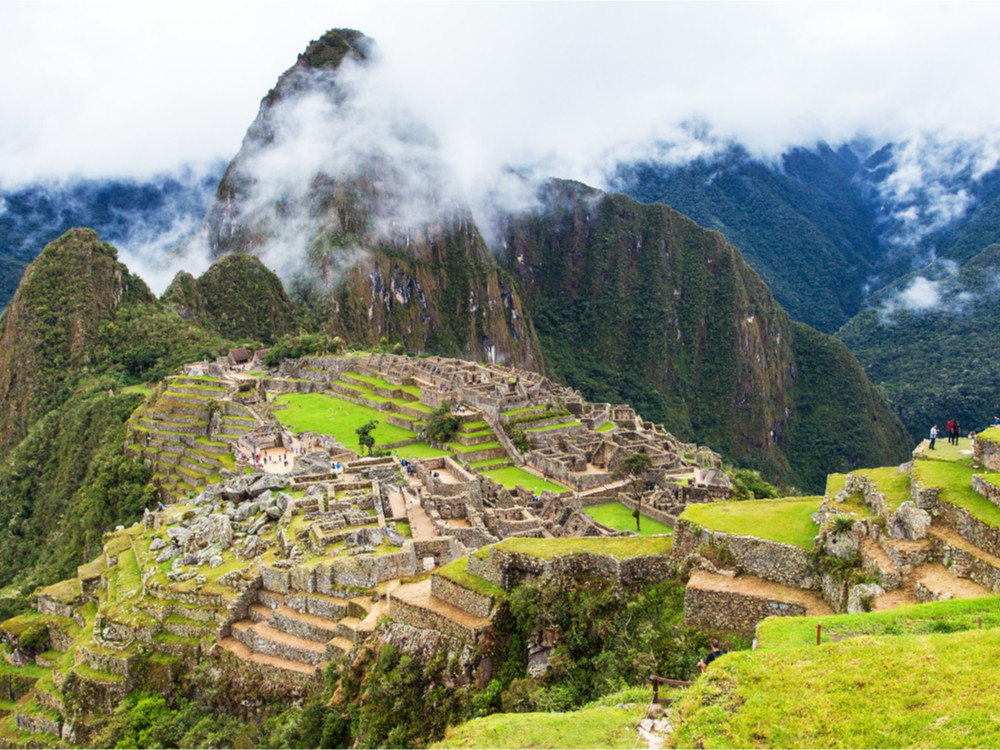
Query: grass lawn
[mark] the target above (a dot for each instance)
(617, 516)
(787, 520)
(943, 450)
(513, 475)
(895, 487)
(606, 427)
(618, 547)
(607, 726)
(329, 415)
(955, 480)
(888, 691)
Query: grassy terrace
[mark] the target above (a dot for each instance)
(617, 516)
(950, 616)
(787, 520)
(606, 427)
(509, 476)
(882, 691)
(329, 415)
(895, 487)
(457, 572)
(621, 548)
(955, 480)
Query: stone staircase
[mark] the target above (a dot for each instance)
(299, 632)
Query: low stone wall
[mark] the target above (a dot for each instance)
(857, 484)
(510, 569)
(704, 608)
(987, 452)
(987, 538)
(47, 605)
(763, 558)
(480, 605)
(488, 569)
(647, 510)
(37, 724)
(966, 565)
(987, 489)
(106, 662)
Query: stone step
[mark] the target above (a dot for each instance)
(264, 639)
(349, 628)
(877, 563)
(414, 604)
(271, 599)
(360, 606)
(322, 605)
(337, 647)
(242, 651)
(934, 582)
(964, 559)
(310, 627)
(260, 612)
(905, 552)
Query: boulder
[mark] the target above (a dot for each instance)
(245, 510)
(178, 535)
(213, 530)
(393, 537)
(215, 561)
(235, 490)
(909, 522)
(267, 482)
(157, 544)
(860, 597)
(314, 462)
(273, 512)
(168, 553)
(283, 500)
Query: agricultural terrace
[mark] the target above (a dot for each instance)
(955, 480)
(788, 520)
(620, 517)
(618, 547)
(513, 475)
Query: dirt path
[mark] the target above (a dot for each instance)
(420, 526)
(760, 588)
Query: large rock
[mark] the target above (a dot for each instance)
(235, 490)
(215, 530)
(860, 597)
(909, 522)
(267, 482)
(315, 462)
(245, 510)
(178, 535)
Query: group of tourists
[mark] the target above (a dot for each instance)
(955, 432)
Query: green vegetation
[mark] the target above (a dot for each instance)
(892, 484)
(442, 424)
(456, 571)
(788, 520)
(617, 516)
(511, 476)
(955, 480)
(838, 695)
(620, 548)
(329, 415)
(633, 469)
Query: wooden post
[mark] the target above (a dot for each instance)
(819, 631)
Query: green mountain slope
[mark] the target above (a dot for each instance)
(638, 303)
(937, 363)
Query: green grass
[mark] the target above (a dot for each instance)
(404, 528)
(935, 617)
(457, 571)
(557, 426)
(835, 483)
(606, 427)
(459, 448)
(329, 415)
(509, 476)
(787, 520)
(617, 516)
(943, 450)
(902, 691)
(955, 480)
(605, 727)
(621, 548)
(894, 486)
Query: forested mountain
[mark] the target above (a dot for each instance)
(151, 215)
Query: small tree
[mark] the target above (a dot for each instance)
(442, 424)
(632, 469)
(365, 437)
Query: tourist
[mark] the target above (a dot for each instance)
(958, 432)
(715, 654)
(933, 436)
(952, 435)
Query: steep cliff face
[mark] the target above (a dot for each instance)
(638, 303)
(350, 203)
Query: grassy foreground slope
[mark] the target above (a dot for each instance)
(899, 686)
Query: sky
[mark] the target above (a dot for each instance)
(132, 88)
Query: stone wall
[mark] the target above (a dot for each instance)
(987, 538)
(729, 610)
(647, 510)
(427, 619)
(773, 561)
(987, 489)
(47, 605)
(480, 605)
(966, 565)
(987, 452)
(510, 569)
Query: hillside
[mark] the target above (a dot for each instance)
(933, 364)
(367, 239)
(639, 303)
